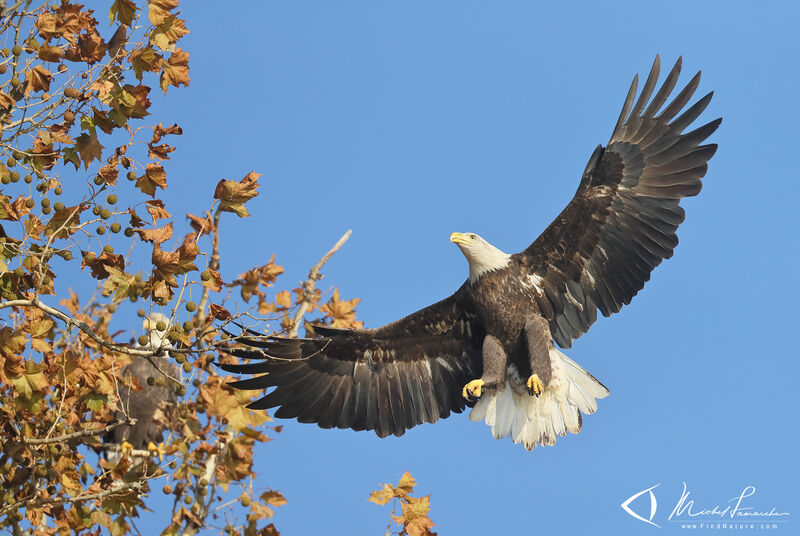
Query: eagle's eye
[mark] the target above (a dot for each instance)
(473, 237)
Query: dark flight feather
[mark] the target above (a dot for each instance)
(621, 222)
(387, 379)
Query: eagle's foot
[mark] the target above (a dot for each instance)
(156, 450)
(472, 389)
(535, 386)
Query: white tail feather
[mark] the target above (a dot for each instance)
(540, 420)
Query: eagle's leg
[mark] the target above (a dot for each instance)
(494, 369)
(537, 335)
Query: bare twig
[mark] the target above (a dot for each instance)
(212, 264)
(308, 287)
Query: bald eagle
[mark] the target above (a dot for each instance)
(492, 344)
(146, 403)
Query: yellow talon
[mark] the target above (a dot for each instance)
(472, 389)
(156, 450)
(125, 448)
(534, 384)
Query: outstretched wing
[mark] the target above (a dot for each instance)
(599, 252)
(387, 379)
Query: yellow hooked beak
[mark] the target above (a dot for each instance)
(459, 238)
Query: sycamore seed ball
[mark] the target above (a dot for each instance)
(161, 326)
(143, 340)
(190, 306)
(151, 381)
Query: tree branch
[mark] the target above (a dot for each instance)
(77, 435)
(308, 287)
(84, 327)
(208, 476)
(116, 487)
(213, 264)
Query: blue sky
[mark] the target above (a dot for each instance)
(407, 122)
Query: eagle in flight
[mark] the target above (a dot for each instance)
(493, 344)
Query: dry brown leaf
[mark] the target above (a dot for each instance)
(155, 236)
(157, 211)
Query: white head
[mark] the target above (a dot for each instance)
(157, 336)
(481, 255)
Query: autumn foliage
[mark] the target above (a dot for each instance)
(86, 243)
(412, 519)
